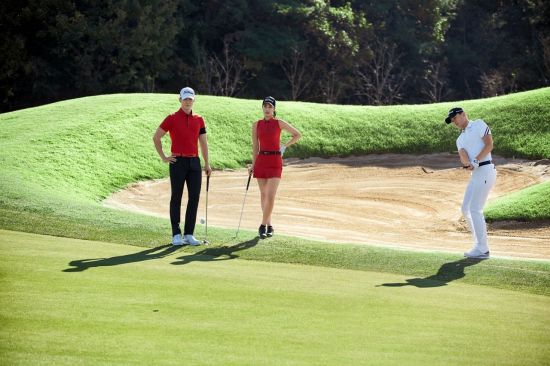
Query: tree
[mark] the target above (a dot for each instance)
(381, 79)
(493, 47)
(227, 71)
(299, 69)
(14, 57)
(435, 87)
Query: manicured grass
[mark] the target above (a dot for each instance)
(128, 228)
(529, 204)
(66, 301)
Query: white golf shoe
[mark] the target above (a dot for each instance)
(190, 239)
(477, 254)
(177, 240)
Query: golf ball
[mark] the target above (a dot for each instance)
(203, 221)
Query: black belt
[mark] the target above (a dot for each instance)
(487, 162)
(270, 152)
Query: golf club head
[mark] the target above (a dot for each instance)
(205, 242)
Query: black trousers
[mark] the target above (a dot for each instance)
(185, 170)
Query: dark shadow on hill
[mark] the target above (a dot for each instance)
(217, 254)
(145, 255)
(430, 162)
(448, 272)
(517, 225)
(433, 161)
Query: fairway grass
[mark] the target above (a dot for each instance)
(67, 301)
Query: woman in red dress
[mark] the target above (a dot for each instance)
(267, 159)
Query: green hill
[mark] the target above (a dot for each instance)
(59, 161)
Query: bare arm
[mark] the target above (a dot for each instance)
(488, 141)
(487, 148)
(203, 142)
(255, 144)
(157, 137)
(296, 135)
(464, 158)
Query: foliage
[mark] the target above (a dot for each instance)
(313, 50)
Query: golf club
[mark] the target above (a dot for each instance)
(244, 200)
(205, 241)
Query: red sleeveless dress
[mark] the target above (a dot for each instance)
(268, 164)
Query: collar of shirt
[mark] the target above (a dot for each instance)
(183, 112)
(468, 127)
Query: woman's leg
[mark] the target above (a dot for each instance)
(268, 199)
(262, 184)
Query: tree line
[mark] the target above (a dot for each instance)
(349, 52)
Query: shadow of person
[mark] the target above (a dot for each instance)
(217, 254)
(145, 255)
(448, 272)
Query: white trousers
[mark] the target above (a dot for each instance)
(477, 191)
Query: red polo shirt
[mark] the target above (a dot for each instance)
(184, 132)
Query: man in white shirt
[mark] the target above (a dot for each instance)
(474, 145)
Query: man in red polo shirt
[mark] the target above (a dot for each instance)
(185, 128)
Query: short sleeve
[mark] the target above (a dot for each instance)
(459, 144)
(482, 128)
(166, 124)
(202, 126)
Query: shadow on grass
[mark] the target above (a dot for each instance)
(217, 254)
(448, 272)
(145, 255)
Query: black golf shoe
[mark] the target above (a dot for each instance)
(270, 231)
(262, 232)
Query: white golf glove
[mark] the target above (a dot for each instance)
(282, 149)
(474, 163)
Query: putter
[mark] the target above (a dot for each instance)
(242, 208)
(205, 241)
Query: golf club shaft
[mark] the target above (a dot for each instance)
(244, 200)
(206, 221)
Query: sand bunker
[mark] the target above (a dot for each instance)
(406, 201)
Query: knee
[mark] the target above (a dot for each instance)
(477, 211)
(465, 210)
(175, 198)
(194, 197)
(271, 196)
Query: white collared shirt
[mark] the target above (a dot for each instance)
(471, 139)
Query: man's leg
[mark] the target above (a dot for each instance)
(466, 205)
(194, 180)
(483, 183)
(177, 180)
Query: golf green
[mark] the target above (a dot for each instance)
(68, 301)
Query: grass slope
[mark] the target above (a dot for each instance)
(62, 158)
(57, 162)
(529, 204)
(67, 301)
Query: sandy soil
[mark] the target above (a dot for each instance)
(393, 200)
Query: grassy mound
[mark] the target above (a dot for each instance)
(59, 161)
(529, 204)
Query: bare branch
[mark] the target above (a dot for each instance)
(381, 80)
(298, 71)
